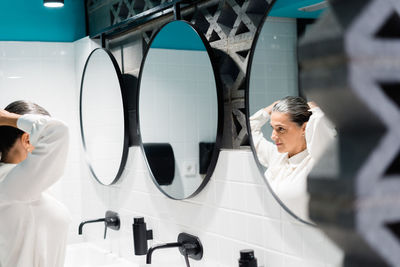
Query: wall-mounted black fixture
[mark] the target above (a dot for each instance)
(247, 258)
(111, 221)
(129, 94)
(206, 150)
(140, 236)
(53, 3)
(161, 161)
(189, 246)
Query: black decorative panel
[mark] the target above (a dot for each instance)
(391, 28)
(231, 31)
(349, 62)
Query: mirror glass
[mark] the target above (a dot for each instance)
(104, 140)
(178, 111)
(288, 138)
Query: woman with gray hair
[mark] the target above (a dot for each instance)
(300, 133)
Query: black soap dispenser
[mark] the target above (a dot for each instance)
(140, 236)
(247, 258)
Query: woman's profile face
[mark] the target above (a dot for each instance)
(287, 135)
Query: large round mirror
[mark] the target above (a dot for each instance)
(102, 117)
(288, 133)
(179, 111)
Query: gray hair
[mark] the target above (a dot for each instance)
(296, 107)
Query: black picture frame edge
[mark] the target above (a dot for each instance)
(125, 149)
(220, 117)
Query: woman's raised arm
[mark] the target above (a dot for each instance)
(45, 165)
(263, 147)
(8, 119)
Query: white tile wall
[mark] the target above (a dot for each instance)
(45, 74)
(223, 227)
(274, 68)
(233, 212)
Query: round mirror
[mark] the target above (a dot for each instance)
(102, 117)
(288, 134)
(178, 111)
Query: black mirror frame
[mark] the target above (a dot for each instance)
(125, 148)
(220, 123)
(247, 108)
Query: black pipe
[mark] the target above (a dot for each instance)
(161, 246)
(92, 221)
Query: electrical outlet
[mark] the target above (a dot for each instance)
(189, 168)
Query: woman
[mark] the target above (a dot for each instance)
(33, 225)
(301, 133)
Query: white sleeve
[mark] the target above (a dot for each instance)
(264, 148)
(45, 165)
(320, 133)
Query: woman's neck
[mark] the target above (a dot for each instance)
(297, 151)
(12, 157)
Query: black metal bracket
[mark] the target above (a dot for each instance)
(129, 93)
(111, 221)
(148, 15)
(103, 40)
(191, 246)
(177, 11)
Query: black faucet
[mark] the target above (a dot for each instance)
(111, 221)
(189, 246)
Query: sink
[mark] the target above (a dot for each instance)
(90, 255)
(87, 254)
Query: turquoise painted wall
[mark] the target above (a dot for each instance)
(29, 20)
(290, 9)
(178, 35)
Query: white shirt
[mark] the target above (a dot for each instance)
(33, 225)
(288, 176)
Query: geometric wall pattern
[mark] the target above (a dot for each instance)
(230, 27)
(353, 72)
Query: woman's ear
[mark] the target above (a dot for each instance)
(303, 128)
(25, 142)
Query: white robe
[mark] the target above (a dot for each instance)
(288, 176)
(33, 225)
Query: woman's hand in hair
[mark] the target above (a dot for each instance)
(8, 119)
(269, 108)
(312, 104)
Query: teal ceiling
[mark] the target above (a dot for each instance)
(290, 9)
(29, 20)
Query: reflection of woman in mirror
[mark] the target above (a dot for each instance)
(33, 225)
(301, 133)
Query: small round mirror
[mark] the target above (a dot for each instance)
(102, 117)
(179, 111)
